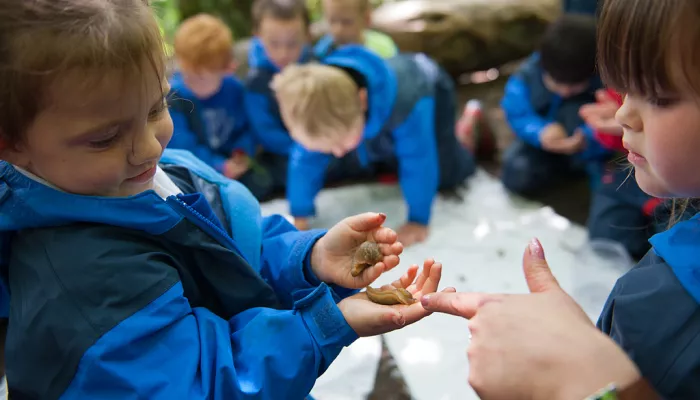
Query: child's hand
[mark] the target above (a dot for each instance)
(369, 319)
(601, 115)
(332, 256)
(554, 139)
(237, 165)
(412, 233)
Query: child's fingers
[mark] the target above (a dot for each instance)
(390, 262)
(384, 235)
(425, 274)
(407, 279)
(370, 274)
(431, 284)
(395, 248)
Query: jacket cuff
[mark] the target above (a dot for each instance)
(326, 323)
(339, 293)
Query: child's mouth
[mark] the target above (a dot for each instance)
(145, 176)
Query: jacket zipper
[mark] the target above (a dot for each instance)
(206, 225)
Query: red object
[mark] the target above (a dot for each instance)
(612, 142)
(650, 206)
(387, 179)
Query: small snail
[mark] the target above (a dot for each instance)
(390, 297)
(366, 256)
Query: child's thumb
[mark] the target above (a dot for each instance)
(365, 222)
(537, 273)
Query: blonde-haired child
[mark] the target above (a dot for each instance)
(367, 112)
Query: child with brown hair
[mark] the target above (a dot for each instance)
(349, 21)
(208, 108)
(281, 30)
(139, 272)
(367, 112)
(649, 50)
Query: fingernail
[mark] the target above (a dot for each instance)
(425, 300)
(382, 215)
(398, 320)
(536, 248)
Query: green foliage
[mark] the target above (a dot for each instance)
(236, 13)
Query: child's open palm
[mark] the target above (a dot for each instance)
(332, 256)
(368, 319)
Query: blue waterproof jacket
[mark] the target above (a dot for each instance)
(193, 297)
(400, 125)
(653, 312)
(529, 107)
(261, 103)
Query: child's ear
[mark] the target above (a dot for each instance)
(362, 93)
(368, 17)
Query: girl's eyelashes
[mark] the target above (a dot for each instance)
(662, 102)
(106, 141)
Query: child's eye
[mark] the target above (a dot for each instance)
(662, 102)
(107, 141)
(162, 106)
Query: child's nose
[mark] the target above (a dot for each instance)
(628, 116)
(146, 148)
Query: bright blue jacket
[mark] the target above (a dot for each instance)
(653, 312)
(529, 107)
(194, 297)
(261, 103)
(400, 125)
(211, 128)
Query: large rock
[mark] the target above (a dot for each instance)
(467, 35)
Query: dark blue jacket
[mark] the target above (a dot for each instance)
(211, 128)
(529, 107)
(654, 312)
(400, 125)
(261, 103)
(581, 6)
(193, 297)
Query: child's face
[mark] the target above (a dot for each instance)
(284, 40)
(205, 83)
(564, 90)
(345, 20)
(103, 140)
(336, 142)
(663, 137)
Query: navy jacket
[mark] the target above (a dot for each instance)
(193, 297)
(653, 312)
(261, 103)
(211, 128)
(529, 107)
(400, 125)
(581, 6)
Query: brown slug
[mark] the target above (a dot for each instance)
(390, 297)
(366, 256)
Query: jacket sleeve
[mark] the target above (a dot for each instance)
(169, 350)
(416, 150)
(183, 138)
(268, 128)
(594, 148)
(307, 171)
(522, 118)
(286, 260)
